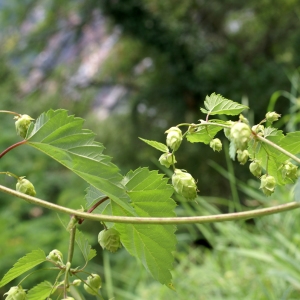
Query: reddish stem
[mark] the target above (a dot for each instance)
(12, 147)
(93, 208)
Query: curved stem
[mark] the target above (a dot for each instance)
(141, 220)
(12, 147)
(10, 112)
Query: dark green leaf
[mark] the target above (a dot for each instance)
(84, 246)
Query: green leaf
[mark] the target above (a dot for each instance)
(24, 264)
(159, 146)
(151, 244)
(272, 158)
(218, 105)
(204, 134)
(84, 246)
(41, 291)
(61, 137)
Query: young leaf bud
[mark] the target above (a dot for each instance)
(255, 168)
(289, 171)
(216, 145)
(242, 156)
(109, 239)
(258, 129)
(94, 283)
(240, 135)
(56, 256)
(184, 184)
(174, 138)
(167, 159)
(267, 184)
(22, 125)
(272, 116)
(25, 186)
(15, 293)
(76, 282)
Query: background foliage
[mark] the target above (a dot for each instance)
(136, 68)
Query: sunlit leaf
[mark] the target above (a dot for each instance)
(151, 244)
(61, 137)
(23, 265)
(41, 291)
(159, 146)
(218, 105)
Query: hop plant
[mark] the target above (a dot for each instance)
(216, 145)
(15, 293)
(255, 168)
(258, 129)
(174, 138)
(289, 171)
(267, 184)
(56, 256)
(272, 116)
(22, 125)
(184, 184)
(25, 186)
(242, 156)
(240, 135)
(167, 159)
(109, 239)
(93, 284)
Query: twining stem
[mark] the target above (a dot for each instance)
(71, 243)
(142, 220)
(94, 207)
(12, 147)
(10, 174)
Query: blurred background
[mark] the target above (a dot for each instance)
(133, 69)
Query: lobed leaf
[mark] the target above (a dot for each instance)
(151, 244)
(157, 145)
(218, 105)
(61, 137)
(84, 246)
(41, 291)
(204, 134)
(23, 265)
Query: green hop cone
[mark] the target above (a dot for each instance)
(255, 168)
(56, 256)
(15, 293)
(22, 125)
(184, 184)
(289, 171)
(25, 186)
(174, 138)
(240, 135)
(76, 282)
(167, 159)
(228, 130)
(216, 145)
(109, 239)
(242, 156)
(272, 116)
(267, 184)
(93, 284)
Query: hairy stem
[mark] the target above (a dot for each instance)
(71, 243)
(141, 220)
(12, 147)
